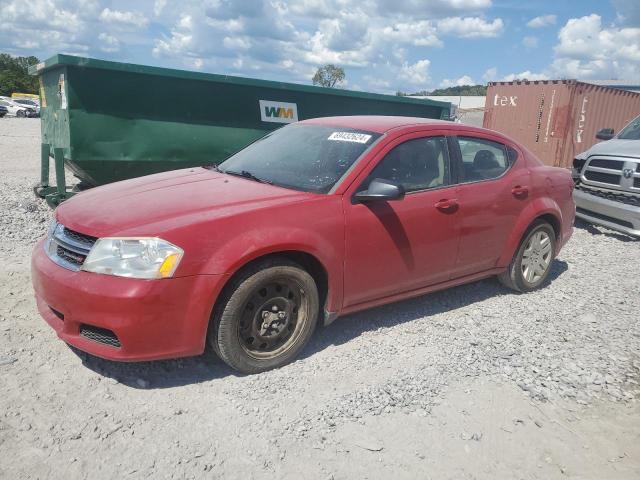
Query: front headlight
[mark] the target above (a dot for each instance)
(133, 257)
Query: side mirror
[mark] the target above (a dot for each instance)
(380, 189)
(605, 134)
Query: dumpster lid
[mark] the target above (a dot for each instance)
(83, 62)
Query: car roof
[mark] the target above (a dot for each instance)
(382, 124)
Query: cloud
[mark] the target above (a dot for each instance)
(377, 83)
(40, 14)
(542, 21)
(124, 18)
(109, 43)
(416, 74)
(28, 27)
(237, 43)
(464, 80)
(382, 40)
(526, 75)
(586, 50)
(433, 8)
(490, 74)
(628, 12)
(421, 34)
(471, 27)
(158, 7)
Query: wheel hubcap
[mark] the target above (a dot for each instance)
(275, 318)
(536, 257)
(271, 318)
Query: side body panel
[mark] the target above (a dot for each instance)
(397, 246)
(488, 211)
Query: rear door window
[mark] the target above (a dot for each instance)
(481, 159)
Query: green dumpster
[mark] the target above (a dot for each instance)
(109, 121)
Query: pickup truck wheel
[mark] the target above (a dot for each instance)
(532, 262)
(267, 318)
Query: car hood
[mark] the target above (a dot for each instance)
(614, 147)
(156, 203)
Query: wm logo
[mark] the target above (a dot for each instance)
(278, 112)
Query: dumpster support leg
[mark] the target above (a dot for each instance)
(58, 156)
(44, 164)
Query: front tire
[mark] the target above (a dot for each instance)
(531, 264)
(266, 317)
(20, 114)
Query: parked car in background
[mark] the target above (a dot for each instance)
(29, 104)
(15, 109)
(607, 180)
(317, 219)
(3, 111)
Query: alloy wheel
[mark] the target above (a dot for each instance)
(536, 257)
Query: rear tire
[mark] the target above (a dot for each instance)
(267, 316)
(531, 264)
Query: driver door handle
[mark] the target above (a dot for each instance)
(447, 205)
(520, 191)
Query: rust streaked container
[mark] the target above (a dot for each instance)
(557, 119)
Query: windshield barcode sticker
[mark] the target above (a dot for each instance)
(349, 137)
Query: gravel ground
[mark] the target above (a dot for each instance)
(472, 382)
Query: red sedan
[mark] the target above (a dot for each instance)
(317, 219)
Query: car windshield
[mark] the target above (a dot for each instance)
(301, 156)
(631, 131)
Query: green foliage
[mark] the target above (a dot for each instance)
(328, 76)
(14, 75)
(464, 90)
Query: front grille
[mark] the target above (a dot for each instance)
(100, 335)
(611, 195)
(69, 248)
(606, 218)
(601, 177)
(616, 173)
(70, 256)
(605, 163)
(87, 240)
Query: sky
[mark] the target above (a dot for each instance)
(383, 45)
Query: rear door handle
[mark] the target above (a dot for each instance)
(520, 191)
(447, 205)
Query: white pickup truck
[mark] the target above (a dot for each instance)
(607, 180)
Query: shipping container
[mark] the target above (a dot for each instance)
(109, 121)
(557, 119)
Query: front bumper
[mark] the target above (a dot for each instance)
(152, 319)
(609, 213)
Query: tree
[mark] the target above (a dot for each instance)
(463, 90)
(328, 76)
(14, 75)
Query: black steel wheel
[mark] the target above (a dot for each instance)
(266, 317)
